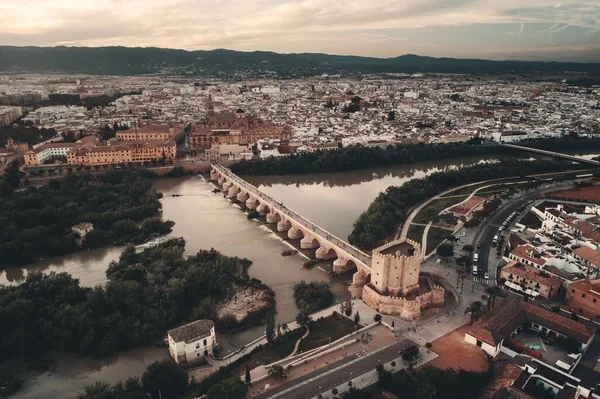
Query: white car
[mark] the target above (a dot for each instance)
(486, 276)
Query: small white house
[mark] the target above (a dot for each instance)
(192, 341)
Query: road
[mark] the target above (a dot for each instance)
(301, 220)
(485, 236)
(325, 379)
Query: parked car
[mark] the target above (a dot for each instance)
(486, 275)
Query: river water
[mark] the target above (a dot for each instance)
(205, 220)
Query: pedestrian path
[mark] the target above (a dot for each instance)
(482, 280)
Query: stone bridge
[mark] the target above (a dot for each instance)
(346, 257)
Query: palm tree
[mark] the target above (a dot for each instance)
(475, 310)
(492, 292)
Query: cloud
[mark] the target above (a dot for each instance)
(274, 24)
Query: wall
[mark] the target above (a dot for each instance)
(406, 309)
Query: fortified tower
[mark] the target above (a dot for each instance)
(396, 285)
(395, 268)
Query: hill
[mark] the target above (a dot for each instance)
(228, 63)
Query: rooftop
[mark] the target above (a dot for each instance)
(192, 331)
(403, 248)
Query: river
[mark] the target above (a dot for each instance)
(205, 220)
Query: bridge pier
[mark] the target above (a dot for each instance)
(214, 175)
(308, 242)
(282, 226)
(272, 217)
(294, 234)
(251, 203)
(323, 253)
(227, 185)
(241, 196)
(359, 280)
(220, 181)
(262, 209)
(233, 191)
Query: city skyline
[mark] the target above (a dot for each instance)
(542, 31)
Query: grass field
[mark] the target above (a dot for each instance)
(334, 327)
(428, 213)
(415, 233)
(435, 238)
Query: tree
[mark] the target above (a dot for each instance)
(278, 372)
(356, 318)
(347, 307)
(165, 380)
(492, 292)
(475, 310)
(270, 327)
(247, 378)
(232, 388)
(468, 248)
(97, 390)
(445, 250)
(377, 318)
(303, 318)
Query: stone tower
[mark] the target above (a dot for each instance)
(395, 268)
(211, 110)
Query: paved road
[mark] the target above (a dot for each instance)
(351, 250)
(335, 374)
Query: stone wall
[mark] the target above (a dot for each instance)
(399, 306)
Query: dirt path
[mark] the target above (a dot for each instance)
(298, 343)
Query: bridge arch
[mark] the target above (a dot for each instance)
(343, 264)
(295, 233)
(284, 225)
(252, 202)
(325, 253)
(309, 242)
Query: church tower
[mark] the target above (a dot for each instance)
(211, 110)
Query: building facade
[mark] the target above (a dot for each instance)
(529, 277)
(583, 298)
(192, 342)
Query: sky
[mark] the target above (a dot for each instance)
(499, 29)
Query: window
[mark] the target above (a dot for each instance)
(197, 345)
(583, 295)
(205, 342)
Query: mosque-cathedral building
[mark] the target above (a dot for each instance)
(233, 128)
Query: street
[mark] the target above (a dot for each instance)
(327, 378)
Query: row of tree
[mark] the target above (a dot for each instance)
(358, 156)
(36, 222)
(147, 293)
(390, 208)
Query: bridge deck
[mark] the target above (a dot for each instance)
(552, 153)
(350, 249)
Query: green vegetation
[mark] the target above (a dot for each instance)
(312, 296)
(432, 383)
(326, 330)
(223, 63)
(146, 294)
(415, 233)
(232, 388)
(435, 238)
(358, 157)
(391, 207)
(25, 134)
(10, 382)
(37, 222)
(164, 380)
(433, 209)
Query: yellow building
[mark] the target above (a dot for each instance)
(151, 132)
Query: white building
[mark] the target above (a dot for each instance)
(192, 341)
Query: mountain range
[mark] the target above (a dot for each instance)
(232, 64)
